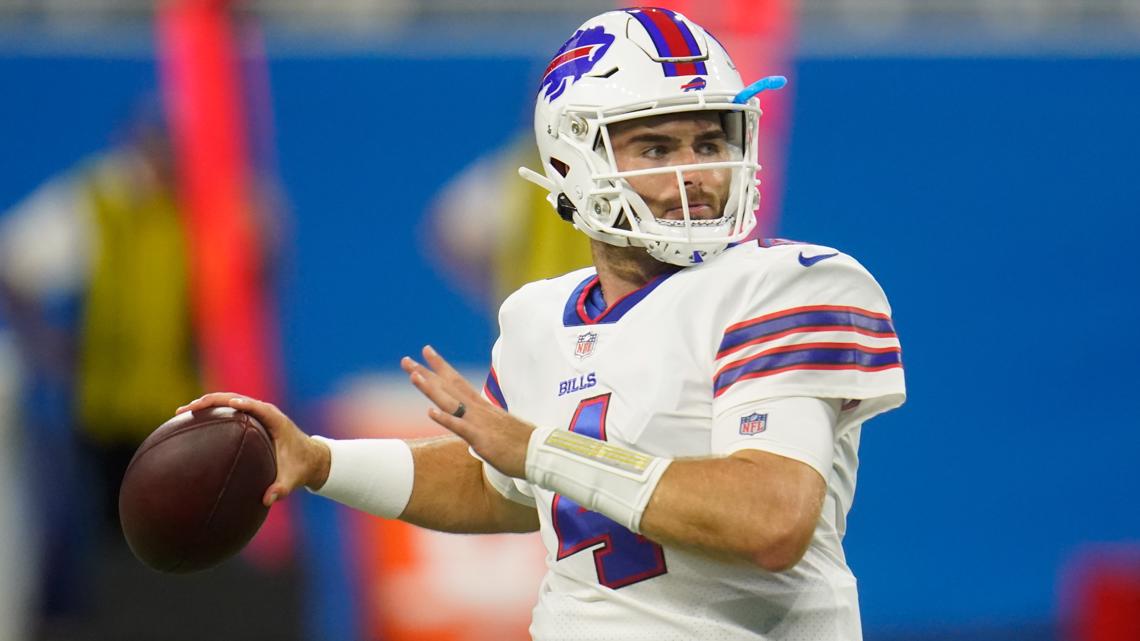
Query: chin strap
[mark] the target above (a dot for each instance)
(763, 84)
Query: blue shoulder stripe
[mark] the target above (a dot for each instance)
(493, 391)
(805, 319)
(833, 356)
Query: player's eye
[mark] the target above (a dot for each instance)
(655, 152)
(710, 149)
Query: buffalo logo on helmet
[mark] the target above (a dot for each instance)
(696, 84)
(577, 57)
(754, 423)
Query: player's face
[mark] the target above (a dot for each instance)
(676, 139)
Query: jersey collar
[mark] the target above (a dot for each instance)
(587, 307)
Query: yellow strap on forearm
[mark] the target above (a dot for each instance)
(602, 477)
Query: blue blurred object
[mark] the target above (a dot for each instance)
(763, 84)
(998, 214)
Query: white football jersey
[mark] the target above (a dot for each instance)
(678, 369)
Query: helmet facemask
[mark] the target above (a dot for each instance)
(610, 209)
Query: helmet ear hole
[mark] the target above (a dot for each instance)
(560, 166)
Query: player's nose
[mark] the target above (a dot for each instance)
(693, 179)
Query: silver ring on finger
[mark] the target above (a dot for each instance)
(460, 411)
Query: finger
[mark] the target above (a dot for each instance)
(213, 399)
(440, 365)
(454, 384)
(453, 424)
(266, 413)
(275, 492)
(411, 366)
(190, 406)
(435, 392)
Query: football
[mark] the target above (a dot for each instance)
(191, 495)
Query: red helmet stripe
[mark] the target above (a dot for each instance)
(678, 46)
(573, 54)
(672, 38)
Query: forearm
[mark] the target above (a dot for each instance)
(433, 483)
(753, 506)
(450, 493)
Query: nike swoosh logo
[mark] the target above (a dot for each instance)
(808, 261)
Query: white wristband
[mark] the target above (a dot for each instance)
(372, 475)
(610, 480)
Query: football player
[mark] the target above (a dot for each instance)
(679, 421)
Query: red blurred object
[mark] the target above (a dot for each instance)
(237, 331)
(1103, 596)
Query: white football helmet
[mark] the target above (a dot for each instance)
(635, 63)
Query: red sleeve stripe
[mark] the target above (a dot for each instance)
(808, 308)
(809, 356)
(833, 317)
(765, 338)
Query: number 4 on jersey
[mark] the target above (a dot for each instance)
(622, 558)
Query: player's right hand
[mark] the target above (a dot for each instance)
(301, 460)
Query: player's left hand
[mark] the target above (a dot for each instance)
(496, 436)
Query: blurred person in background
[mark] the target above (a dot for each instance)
(17, 554)
(94, 277)
(731, 379)
(494, 233)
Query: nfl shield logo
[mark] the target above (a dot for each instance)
(585, 345)
(753, 424)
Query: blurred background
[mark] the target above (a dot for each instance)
(283, 198)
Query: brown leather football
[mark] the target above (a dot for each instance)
(191, 496)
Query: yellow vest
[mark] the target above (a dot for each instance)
(137, 356)
(544, 245)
